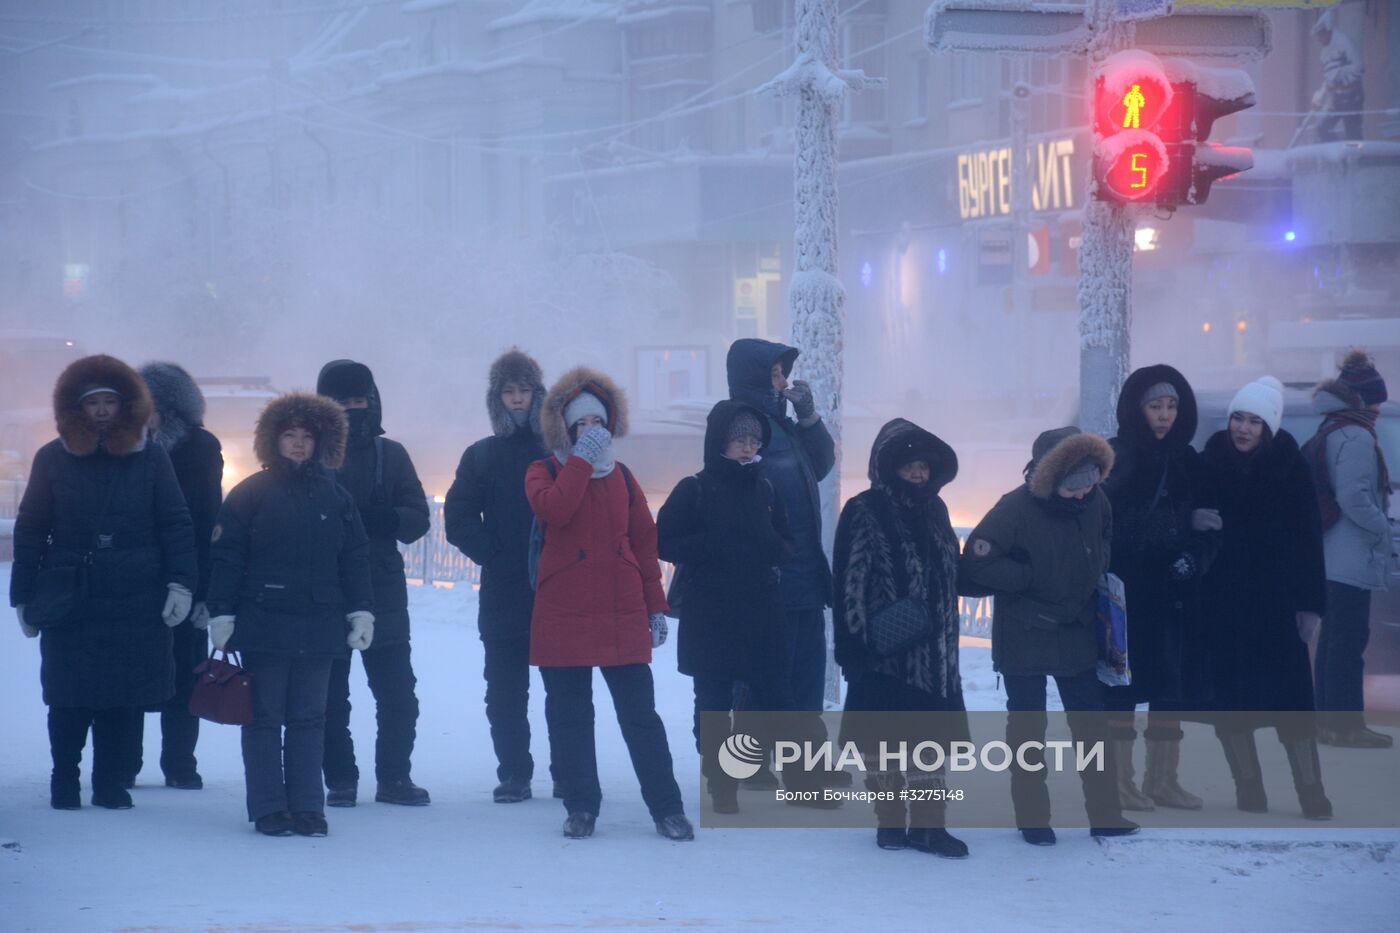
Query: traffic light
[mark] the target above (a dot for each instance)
(1151, 119)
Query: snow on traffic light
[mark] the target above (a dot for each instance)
(1151, 119)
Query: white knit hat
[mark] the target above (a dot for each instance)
(1264, 398)
(585, 404)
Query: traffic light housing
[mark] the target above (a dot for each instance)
(1151, 121)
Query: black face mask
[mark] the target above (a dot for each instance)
(1061, 505)
(359, 419)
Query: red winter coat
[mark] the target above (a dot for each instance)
(598, 577)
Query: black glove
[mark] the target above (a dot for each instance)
(381, 520)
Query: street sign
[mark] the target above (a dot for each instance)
(1237, 36)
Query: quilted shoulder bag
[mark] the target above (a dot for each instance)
(899, 626)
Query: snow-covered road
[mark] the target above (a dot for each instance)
(185, 861)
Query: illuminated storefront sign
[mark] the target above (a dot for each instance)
(984, 179)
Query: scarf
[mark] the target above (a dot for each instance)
(1362, 418)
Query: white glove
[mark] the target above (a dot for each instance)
(361, 629)
(592, 443)
(177, 605)
(1308, 623)
(221, 630)
(28, 630)
(199, 617)
(659, 629)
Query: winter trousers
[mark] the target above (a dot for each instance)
(507, 675)
(1340, 660)
(719, 693)
(568, 710)
(68, 732)
(389, 671)
(179, 728)
(284, 744)
(1124, 700)
(1030, 794)
(804, 637)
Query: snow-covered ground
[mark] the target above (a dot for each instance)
(185, 861)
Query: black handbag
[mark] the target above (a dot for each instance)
(899, 626)
(58, 593)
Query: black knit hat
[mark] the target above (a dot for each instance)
(1359, 374)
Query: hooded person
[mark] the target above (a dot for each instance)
(726, 528)
(177, 426)
(798, 456)
(1163, 541)
(104, 567)
(598, 601)
(1264, 594)
(895, 545)
(1354, 488)
(379, 475)
(1041, 551)
(487, 518)
(291, 589)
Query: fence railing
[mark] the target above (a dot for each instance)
(431, 560)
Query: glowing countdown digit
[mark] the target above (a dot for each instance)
(1141, 170)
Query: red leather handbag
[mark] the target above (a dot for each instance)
(223, 690)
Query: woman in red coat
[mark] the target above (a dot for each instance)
(598, 601)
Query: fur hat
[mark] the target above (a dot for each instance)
(1264, 398)
(177, 400)
(127, 432)
(342, 379)
(317, 413)
(553, 429)
(1063, 451)
(745, 424)
(1359, 373)
(515, 365)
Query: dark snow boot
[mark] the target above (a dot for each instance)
(724, 795)
(511, 791)
(309, 823)
(1307, 778)
(111, 798)
(1122, 828)
(764, 780)
(675, 828)
(892, 837)
(579, 825)
(65, 793)
(1039, 836)
(1243, 758)
(341, 795)
(191, 781)
(274, 824)
(403, 792)
(936, 841)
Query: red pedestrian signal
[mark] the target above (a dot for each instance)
(1132, 164)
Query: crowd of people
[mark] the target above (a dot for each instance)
(1234, 559)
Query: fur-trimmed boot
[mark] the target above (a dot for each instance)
(1307, 778)
(1159, 780)
(1129, 797)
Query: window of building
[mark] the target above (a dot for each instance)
(965, 81)
(918, 80)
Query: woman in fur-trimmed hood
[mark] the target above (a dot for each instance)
(196, 455)
(291, 589)
(103, 519)
(1041, 551)
(598, 600)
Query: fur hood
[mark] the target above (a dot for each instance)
(1132, 424)
(127, 433)
(323, 416)
(515, 365)
(1067, 447)
(177, 400)
(902, 438)
(1335, 395)
(554, 432)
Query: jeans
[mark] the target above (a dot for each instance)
(1340, 660)
(568, 709)
(1030, 795)
(389, 671)
(284, 745)
(507, 675)
(179, 728)
(68, 732)
(804, 635)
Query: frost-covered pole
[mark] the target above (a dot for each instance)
(816, 298)
(1105, 270)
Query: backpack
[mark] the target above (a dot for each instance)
(538, 528)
